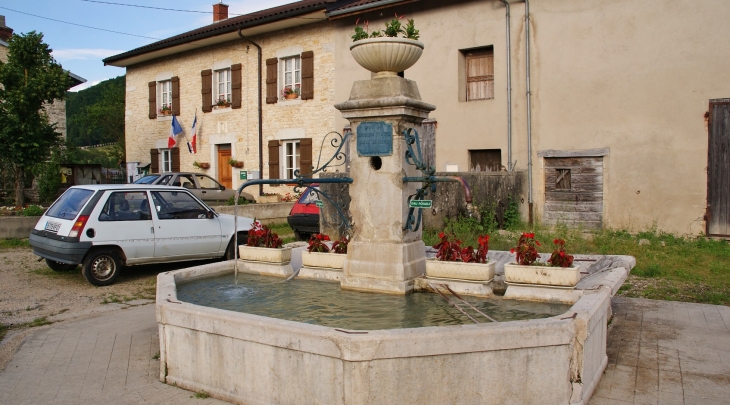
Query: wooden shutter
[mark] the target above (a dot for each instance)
(175, 155)
(155, 159)
(236, 85)
(272, 92)
(206, 81)
(273, 159)
(153, 99)
(480, 75)
(175, 96)
(305, 156)
(307, 75)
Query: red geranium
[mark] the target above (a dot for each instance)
(559, 258)
(526, 249)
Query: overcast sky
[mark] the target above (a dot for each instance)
(81, 49)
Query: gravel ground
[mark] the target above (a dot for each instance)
(31, 294)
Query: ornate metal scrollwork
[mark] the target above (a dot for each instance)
(415, 157)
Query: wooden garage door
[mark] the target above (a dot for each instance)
(574, 191)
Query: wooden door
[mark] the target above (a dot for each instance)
(574, 191)
(718, 169)
(224, 169)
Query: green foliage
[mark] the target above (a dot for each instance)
(241, 201)
(14, 243)
(393, 28)
(33, 211)
(411, 31)
(30, 78)
(201, 395)
(96, 115)
(511, 214)
(49, 180)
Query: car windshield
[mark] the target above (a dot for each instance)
(70, 203)
(147, 179)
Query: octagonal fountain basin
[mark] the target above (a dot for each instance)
(371, 359)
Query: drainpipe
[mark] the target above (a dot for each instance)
(529, 111)
(509, 92)
(261, 114)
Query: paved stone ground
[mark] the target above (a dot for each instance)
(666, 353)
(659, 353)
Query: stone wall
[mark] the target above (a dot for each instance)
(3, 54)
(238, 127)
(57, 114)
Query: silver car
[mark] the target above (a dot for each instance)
(203, 186)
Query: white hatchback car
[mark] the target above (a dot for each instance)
(105, 227)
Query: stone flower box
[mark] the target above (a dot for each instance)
(323, 260)
(542, 275)
(273, 198)
(386, 54)
(460, 270)
(265, 255)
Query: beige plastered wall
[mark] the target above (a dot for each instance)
(239, 127)
(632, 76)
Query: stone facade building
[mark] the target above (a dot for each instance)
(615, 117)
(210, 76)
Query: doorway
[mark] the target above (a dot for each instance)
(718, 169)
(224, 169)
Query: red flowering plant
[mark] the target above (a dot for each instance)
(559, 258)
(261, 236)
(449, 249)
(526, 249)
(317, 243)
(340, 246)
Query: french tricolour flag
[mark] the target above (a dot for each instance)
(175, 129)
(191, 145)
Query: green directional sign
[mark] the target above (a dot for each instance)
(319, 203)
(421, 203)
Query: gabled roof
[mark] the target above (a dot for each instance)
(225, 30)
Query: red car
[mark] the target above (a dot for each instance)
(304, 216)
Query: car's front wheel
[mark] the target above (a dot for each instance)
(102, 267)
(58, 266)
(242, 239)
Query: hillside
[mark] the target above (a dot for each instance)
(96, 115)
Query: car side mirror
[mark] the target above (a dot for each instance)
(223, 187)
(210, 215)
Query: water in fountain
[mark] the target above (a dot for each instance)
(323, 303)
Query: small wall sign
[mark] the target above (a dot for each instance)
(421, 203)
(375, 139)
(243, 175)
(319, 203)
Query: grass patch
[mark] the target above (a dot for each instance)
(156, 356)
(3, 331)
(201, 395)
(14, 243)
(668, 268)
(281, 228)
(113, 298)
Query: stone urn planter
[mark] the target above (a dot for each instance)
(323, 260)
(542, 275)
(386, 56)
(265, 255)
(460, 270)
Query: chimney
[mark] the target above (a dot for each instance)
(220, 11)
(5, 32)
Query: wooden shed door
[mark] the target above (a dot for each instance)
(574, 191)
(718, 169)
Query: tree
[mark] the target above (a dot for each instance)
(30, 79)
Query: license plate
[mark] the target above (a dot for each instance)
(53, 226)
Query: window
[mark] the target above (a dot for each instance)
(184, 180)
(129, 206)
(166, 160)
(478, 74)
(292, 76)
(206, 183)
(165, 97)
(222, 86)
(485, 160)
(562, 179)
(177, 205)
(70, 203)
(291, 159)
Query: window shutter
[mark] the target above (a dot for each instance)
(206, 79)
(272, 92)
(153, 99)
(305, 156)
(273, 159)
(236, 85)
(175, 155)
(155, 159)
(176, 96)
(307, 75)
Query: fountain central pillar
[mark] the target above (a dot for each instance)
(382, 256)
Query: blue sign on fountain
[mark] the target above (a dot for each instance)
(375, 139)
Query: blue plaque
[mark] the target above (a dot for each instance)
(375, 139)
